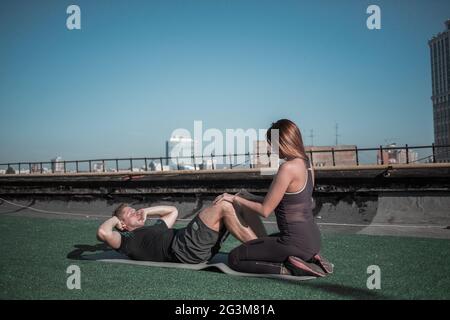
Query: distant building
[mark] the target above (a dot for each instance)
(57, 165)
(208, 164)
(413, 156)
(156, 166)
(322, 156)
(35, 168)
(98, 167)
(10, 170)
(396, 156)
(260, 157)
(440, 76)
(180, 149)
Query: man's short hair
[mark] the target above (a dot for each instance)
(118, 212)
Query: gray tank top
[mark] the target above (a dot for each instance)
(295, 217)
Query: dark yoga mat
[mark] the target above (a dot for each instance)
(219, 262)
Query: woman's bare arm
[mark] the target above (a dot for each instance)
(276, 192)
(250, 196)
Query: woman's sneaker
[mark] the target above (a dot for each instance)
(326, 265)
(299, 267)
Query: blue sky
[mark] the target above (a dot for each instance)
(137, 70)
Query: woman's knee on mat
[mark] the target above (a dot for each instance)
(236, 256)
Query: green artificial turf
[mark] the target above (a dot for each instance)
(33, 266)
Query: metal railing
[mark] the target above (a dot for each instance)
(389, 154)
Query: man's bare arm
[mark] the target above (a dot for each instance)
(106, 233)
(168, 214)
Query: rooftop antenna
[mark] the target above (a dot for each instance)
(311, 135)
(336, 134)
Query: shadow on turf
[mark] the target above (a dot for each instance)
(345, 291)
(77, 254)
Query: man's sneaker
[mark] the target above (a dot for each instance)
(299, 267)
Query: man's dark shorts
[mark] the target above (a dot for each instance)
(197, 243)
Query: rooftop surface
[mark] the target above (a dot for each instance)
(34, 263)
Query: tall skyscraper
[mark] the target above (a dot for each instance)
(440, 75)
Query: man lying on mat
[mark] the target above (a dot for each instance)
(198, 242)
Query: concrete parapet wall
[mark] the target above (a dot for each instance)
(400, 194)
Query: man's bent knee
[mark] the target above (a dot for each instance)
(226, 206)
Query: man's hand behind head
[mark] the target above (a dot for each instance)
(119, 225)
(142, 214)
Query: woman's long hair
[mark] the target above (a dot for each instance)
(290, 139)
